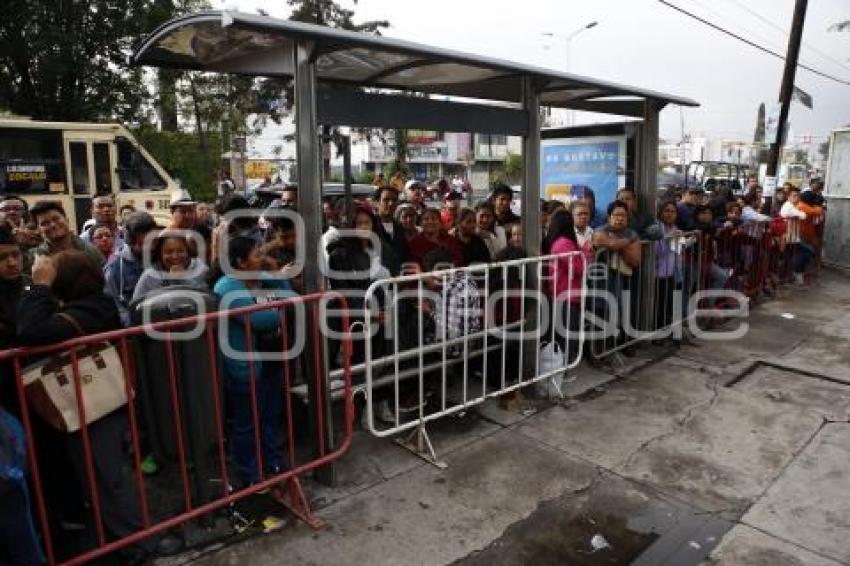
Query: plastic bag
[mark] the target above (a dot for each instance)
(551, 358)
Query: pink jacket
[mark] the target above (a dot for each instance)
(566, 287)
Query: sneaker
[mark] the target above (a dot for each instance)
(385, 414)
(149, 466)
(798, 279)
(410, 404)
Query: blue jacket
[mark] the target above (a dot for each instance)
(122, 273)
(233, 294)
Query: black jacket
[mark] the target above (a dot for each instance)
(475, 251)
(10, 296)
(508, 218)
(397, 242)
(39, 322)
(347, 255)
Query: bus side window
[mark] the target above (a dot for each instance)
(79, 168)
(134, 171)
(102, 176)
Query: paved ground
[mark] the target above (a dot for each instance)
(726, 453)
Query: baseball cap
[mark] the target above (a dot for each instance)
(412, 183)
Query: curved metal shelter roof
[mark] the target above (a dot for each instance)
(233, 42)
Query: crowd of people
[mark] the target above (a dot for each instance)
(57, 285)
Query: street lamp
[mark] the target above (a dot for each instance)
(568, 38)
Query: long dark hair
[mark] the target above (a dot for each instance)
(239, 248)
(77, 276)
(561, 225)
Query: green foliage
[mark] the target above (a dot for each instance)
(823, 148)
(329, 13)
(801, 156)
(509, 172)
(513, 168)
(365, 177)
(180, 154)
(68, 60)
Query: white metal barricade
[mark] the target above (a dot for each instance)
(440, 342)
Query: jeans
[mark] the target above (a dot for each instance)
(802, 256)
(19, 544)
(567, 329)
(269, 395)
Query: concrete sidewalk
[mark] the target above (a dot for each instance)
(731, 453)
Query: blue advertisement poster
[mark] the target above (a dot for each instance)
(570, 166)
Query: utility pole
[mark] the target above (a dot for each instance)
(786, 91)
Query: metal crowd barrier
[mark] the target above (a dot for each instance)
(649, 301)
(203, 469)
(438, 343)
(760, 256)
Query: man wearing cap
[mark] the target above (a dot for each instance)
(686, 215)
(501, 199)
(415, 192)
(451, 207)
(182, 211)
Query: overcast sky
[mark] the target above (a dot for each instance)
(647, 44)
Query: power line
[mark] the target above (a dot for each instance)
(776, 26)
(746, 31)
(751, 43)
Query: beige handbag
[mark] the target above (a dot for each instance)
(50, 389)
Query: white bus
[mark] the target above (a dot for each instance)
(72, 162)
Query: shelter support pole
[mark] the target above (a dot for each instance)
(530, 196)
(646, 182)
(346, 178)
(309, 151)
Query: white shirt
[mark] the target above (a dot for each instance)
(388, 228)
(583, 237)
(788, 210)
(749, 213)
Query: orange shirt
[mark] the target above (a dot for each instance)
(809, 231)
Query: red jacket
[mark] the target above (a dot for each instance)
(419, 246)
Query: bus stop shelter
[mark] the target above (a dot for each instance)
(352, 79)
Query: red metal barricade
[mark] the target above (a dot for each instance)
(284, 483)
(743, 251)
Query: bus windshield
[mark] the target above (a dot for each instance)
(31, 161)
(134, 171)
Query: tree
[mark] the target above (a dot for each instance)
(510, 172)
(513, 168)
(329, 13)
(180, 154)
(399, 163)
(68, 60)
(801, 156)
(823, 148)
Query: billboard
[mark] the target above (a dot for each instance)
(255, 169)
(569, 166)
